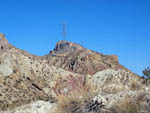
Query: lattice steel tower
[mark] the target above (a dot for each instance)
(64, 31)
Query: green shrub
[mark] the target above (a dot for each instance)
(146, 73)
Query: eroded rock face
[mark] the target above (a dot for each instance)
(120, 79)
(27, 81)
(4, 44)
(25, 78)
(119, 90)
(75, 58)
(64, 46)
(5, 70)
(34, 107)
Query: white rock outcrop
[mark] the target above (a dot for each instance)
(5, 70)
(35, 107)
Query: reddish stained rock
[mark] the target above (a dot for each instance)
(75, 58)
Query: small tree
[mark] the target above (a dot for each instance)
(146, 73)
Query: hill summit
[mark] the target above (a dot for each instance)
(75, 58)
(65, 46)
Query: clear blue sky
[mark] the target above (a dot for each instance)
(120, 27)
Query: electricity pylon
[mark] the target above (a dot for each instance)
(64, 32)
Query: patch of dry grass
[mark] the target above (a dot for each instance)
(125, 107)
(135, 85)
(79, 91)
(130, 105)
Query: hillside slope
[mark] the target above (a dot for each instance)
(75, 58)
(24, 78)
(36, 84)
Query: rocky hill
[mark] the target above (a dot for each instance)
(75, 58)
(70, 79)
(24, 77)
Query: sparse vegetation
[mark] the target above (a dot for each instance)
(134, 85)
(125, 108)
(35, 81)
(131, 105)
(146, 73)
(81, 91)
(111, 89)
